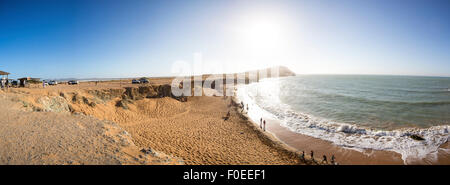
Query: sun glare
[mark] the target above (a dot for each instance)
(264, 39)
(262, 35)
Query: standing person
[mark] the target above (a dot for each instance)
(324, 159)
(264, 125)
(43, 84)
(303, 156)
(332, 159)
(312, 155)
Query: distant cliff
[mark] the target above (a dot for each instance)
(282, 71)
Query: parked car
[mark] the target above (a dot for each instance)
(53, 82)
(134, 81)
(143, 81)
(15, 83)
(72, 82)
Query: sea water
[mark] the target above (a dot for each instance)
(358, 111)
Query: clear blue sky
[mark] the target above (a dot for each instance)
(125, 38)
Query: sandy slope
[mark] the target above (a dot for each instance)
(57, 138)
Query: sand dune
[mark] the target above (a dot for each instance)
(96, 118)
(28, 137)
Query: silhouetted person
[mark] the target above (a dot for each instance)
(332, 159)
(264, 125)
(312, 155)
(303, 156)
(324, 159)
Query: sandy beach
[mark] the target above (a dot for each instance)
(192, 132)
(117, 122)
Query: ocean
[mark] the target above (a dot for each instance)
(358, 111)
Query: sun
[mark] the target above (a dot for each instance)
(263, 39)
(262, 36)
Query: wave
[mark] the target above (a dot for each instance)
(435, 90)
(374, 101)
(350, 135)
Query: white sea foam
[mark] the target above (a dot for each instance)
(348, 135)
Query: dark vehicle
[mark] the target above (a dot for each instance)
(53, 82)
(143, 81)
(134, 81)
(14, 83)
(72, 82)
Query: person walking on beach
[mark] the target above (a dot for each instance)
(264, 125)
(302, 157)
(312, 155)
(324, 159)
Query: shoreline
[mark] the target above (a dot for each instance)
(296, 143)
(272, 138)
(347, 156)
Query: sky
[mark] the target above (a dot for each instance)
(124, 38)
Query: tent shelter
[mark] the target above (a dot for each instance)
(23, 82)
(3, 73)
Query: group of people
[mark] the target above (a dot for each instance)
(243, 107)
(324, 158)
(262, 125)
(4, 83)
